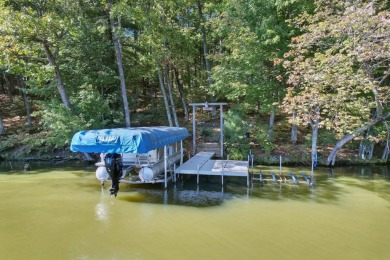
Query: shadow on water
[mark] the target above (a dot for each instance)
(181, 193)
(328, 188)
(209, 194)
(37, 167)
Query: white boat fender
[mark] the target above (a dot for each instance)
(102, 174)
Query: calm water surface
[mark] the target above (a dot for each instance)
(64, 213)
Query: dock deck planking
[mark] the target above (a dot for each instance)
(201, 164)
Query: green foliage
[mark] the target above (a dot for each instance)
(90, 111)
(252, 34)
(235, 127)
(338, 55)
(326, 138)
(260, 136)
(237, 153)
(334, 68)
(205, 132)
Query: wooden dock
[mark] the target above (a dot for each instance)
(201, 164)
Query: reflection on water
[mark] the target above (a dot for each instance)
(64, 213)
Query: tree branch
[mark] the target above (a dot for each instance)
(332, 156)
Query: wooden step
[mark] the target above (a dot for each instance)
(209, 147)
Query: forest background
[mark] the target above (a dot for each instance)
(303, 79)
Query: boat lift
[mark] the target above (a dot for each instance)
(133, 147)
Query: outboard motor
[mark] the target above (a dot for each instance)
(113, 164)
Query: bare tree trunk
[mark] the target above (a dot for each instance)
(25, 100)
(181, 92)
(161, 81)
(332, 156)
(118, 53)
(60, 84)
(205, 47)
(166, 70)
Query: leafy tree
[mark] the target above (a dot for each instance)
(339, 66)
(118, 53)
(251, 34)
(235, 127)
(30, 27)
(78, 36)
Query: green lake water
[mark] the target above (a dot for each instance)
(64, 213)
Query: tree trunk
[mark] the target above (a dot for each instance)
(2, 129)
(2, 85)
(386, 150)
(152, 94)
(271, 124)
(9, 88)
(25, 100)
(361, 149)
(205, 47)
(189, 77)
(60, 84)
(379, 108)
(314, 136)
(166, 71)
(118, 53)
(294, 129)
(161, 82)
(366, 149)
(181, 92)
(332, 156)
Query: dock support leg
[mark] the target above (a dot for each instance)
(221, 128)
(193, 130)
(165, 167)
(197, 176)
(181, 152)
(222, 178)
(174, 173)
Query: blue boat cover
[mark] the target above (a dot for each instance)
(126, 140)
